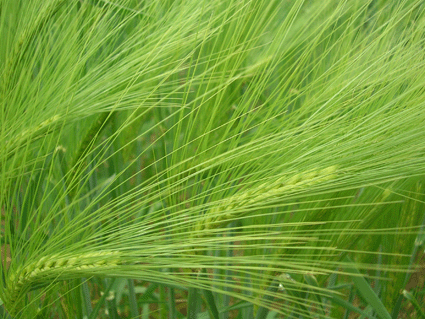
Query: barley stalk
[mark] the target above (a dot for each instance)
(54, 267)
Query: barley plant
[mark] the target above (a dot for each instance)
(212, 159)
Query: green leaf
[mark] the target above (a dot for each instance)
(95, 313)
(366, 291)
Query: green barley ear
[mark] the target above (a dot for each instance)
(32, 134)
(236, 206)
(53, 268)
(77, 164)
(25, 39)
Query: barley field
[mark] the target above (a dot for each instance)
(212, 159)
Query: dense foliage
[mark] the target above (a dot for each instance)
(211, 159)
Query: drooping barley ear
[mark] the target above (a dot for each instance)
(54, 267)
(234, 206)
(24, 41)
(33, 134)
(84, 147)
(15, 143)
